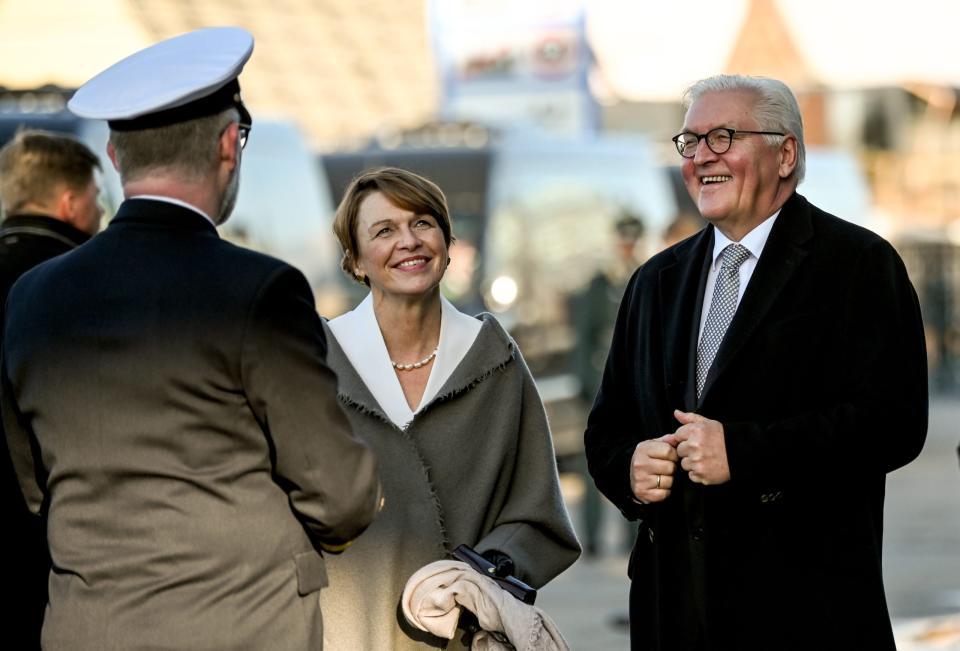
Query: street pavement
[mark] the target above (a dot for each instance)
(921, 555)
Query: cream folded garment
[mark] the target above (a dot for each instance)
(434, 595)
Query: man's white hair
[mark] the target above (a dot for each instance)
(775, 109)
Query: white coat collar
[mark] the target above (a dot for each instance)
(358, 334)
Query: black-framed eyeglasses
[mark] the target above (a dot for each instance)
(718, 140)
(244, 133)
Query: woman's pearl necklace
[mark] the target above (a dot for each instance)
(410, 367)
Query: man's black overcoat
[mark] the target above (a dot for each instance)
(821, 387)
(26, 240)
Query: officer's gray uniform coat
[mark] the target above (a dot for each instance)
(168, 402)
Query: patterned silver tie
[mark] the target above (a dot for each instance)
(722, 307)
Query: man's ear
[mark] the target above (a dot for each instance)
(788, 156)
(112, 153)
(64, 210)
(229, 142)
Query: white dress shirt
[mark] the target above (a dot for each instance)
(358, 333)
(754, 241)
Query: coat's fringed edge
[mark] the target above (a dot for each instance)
(477, 380)
(363, 409)
(438, 509)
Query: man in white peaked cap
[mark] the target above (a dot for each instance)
(167, 403)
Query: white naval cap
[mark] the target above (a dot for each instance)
(181, 78)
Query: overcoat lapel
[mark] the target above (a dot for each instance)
(782, 254)
(681, 294)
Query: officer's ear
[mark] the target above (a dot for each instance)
(229, 144)
(112, 153)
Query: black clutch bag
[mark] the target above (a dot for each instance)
(510, 583)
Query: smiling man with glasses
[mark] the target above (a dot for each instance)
(764, 376)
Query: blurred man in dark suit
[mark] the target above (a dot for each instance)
(48, 197)
(594, 310)
(168, 402)
(764, 376)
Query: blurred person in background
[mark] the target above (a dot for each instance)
(684, 225)
(165, 396)
(594, 311)
(48, 198)
(764, 376)
(449, 406)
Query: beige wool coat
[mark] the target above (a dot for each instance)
(475, 466)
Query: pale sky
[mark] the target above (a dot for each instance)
(846, 43)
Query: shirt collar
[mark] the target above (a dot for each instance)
(754, 241)
(176, 202)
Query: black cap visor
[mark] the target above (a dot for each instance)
(225, 97)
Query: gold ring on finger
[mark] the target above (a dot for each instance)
(658, 481)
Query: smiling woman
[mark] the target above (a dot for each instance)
(399, 251)
(422, 380)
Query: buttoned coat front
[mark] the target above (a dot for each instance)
(475, 466)
(820, 384)
(166, 401)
